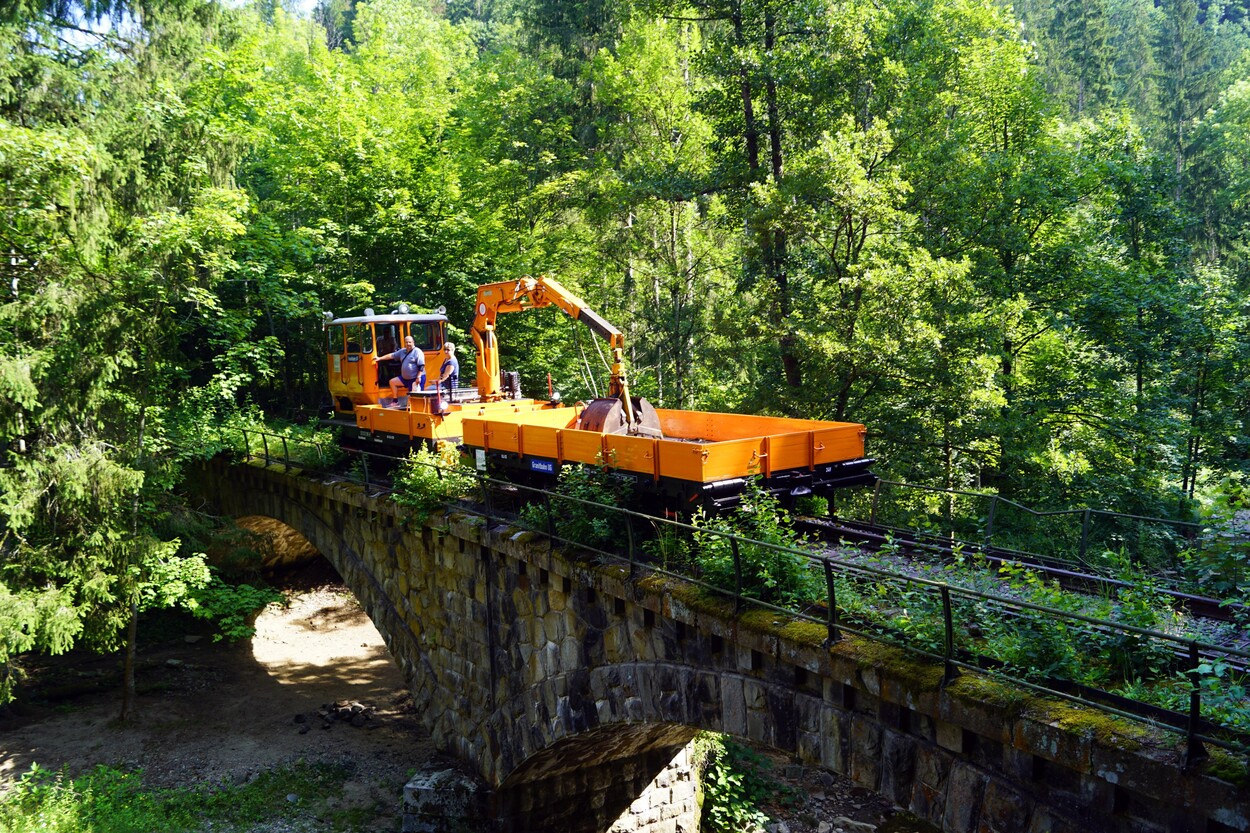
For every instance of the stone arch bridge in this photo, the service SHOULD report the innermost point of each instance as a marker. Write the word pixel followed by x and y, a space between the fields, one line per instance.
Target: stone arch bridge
pixel 573 689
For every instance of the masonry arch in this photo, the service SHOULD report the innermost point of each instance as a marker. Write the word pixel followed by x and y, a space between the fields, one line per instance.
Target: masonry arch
pixel 603 779
pixel 281 546
pixel 581 750
pixel 623 696
pixel 336 521
pixel 294 525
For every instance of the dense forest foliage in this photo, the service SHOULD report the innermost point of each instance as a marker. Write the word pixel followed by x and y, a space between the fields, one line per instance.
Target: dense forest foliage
pixel 1012 241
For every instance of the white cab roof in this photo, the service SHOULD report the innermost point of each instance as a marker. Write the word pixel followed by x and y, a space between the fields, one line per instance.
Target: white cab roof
pixel 389 319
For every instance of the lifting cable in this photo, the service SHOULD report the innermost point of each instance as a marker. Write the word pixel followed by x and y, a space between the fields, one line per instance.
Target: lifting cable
pixel 587 376
pixel 602 360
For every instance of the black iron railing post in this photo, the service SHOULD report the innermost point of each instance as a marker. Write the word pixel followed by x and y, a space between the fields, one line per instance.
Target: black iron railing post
pixel 264 441
pixel 629 543
pixel 1194 750
pixel 247 445
pixel 1084 548
pixel 364 465
pixel 831 619
pixel 949 671
pixel 989 522
pixel 733 546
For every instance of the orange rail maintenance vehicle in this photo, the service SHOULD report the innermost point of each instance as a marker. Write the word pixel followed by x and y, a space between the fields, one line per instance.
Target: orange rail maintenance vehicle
pixel 683 458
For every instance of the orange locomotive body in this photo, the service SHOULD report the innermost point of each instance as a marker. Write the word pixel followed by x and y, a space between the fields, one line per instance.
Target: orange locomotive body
pixel 360 391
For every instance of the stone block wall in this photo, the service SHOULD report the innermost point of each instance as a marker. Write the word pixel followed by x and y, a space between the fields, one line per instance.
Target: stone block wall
pixel 649 791
pixel 545 673
pixel 653 792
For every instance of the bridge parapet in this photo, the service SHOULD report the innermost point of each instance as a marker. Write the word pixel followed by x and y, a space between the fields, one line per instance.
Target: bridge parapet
pixel 543 671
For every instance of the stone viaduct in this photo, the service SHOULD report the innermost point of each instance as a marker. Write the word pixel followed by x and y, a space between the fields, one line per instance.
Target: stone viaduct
pixel 572 690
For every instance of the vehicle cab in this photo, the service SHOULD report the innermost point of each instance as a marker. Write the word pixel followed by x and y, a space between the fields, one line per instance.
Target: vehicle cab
pixel 352 343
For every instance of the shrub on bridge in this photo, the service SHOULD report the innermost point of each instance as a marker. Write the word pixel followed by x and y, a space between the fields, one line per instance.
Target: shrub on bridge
pixel 770 572
pixel 427 480
pixel 736 784
pixel 204 428
pixel 1219 563
pixel 572 512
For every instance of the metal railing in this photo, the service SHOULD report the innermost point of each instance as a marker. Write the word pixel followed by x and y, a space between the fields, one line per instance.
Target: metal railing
pixel 940 625
pixel 268 452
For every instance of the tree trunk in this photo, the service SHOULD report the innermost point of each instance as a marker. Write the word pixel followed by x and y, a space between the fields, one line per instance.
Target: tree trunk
pixel 776 250
pixel 770 93
pixel 129 693
pixel 751 130
pixel 1189 470
pixel 132 626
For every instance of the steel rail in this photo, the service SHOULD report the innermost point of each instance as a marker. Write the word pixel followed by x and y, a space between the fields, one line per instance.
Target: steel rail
pixel 1203 606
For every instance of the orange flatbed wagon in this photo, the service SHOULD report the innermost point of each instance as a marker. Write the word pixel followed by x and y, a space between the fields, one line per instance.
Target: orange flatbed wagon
pixel 702 457
pixel 425 416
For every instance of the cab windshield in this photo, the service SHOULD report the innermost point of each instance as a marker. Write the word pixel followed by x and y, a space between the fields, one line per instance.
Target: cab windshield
pixel 334 339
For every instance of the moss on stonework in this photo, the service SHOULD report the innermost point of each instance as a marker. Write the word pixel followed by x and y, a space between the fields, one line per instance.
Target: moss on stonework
pixel 653 583
pixel 1012 701
pixel 616 572
pixel 763 621
pixel 702 600
pixel 1107 729
pixel 688 593
pixel 1229 767
pixel 802 632
pixel 899 665
pixel 797 631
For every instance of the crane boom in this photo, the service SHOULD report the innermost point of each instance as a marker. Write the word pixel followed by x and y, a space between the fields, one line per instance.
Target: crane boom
pixel 533 293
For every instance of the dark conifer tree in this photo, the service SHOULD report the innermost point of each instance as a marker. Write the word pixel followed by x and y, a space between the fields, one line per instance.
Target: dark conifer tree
pixel 1080 32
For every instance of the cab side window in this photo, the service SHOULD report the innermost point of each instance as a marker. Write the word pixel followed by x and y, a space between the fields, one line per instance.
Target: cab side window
pixel 425 335
pixel 359 338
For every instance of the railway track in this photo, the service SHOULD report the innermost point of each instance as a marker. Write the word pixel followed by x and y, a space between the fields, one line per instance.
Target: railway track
pixel 1180 656
pixel 836 531
pixel 831 532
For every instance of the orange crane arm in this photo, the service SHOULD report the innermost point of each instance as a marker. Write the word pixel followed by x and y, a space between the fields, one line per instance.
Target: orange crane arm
pixel 533 293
